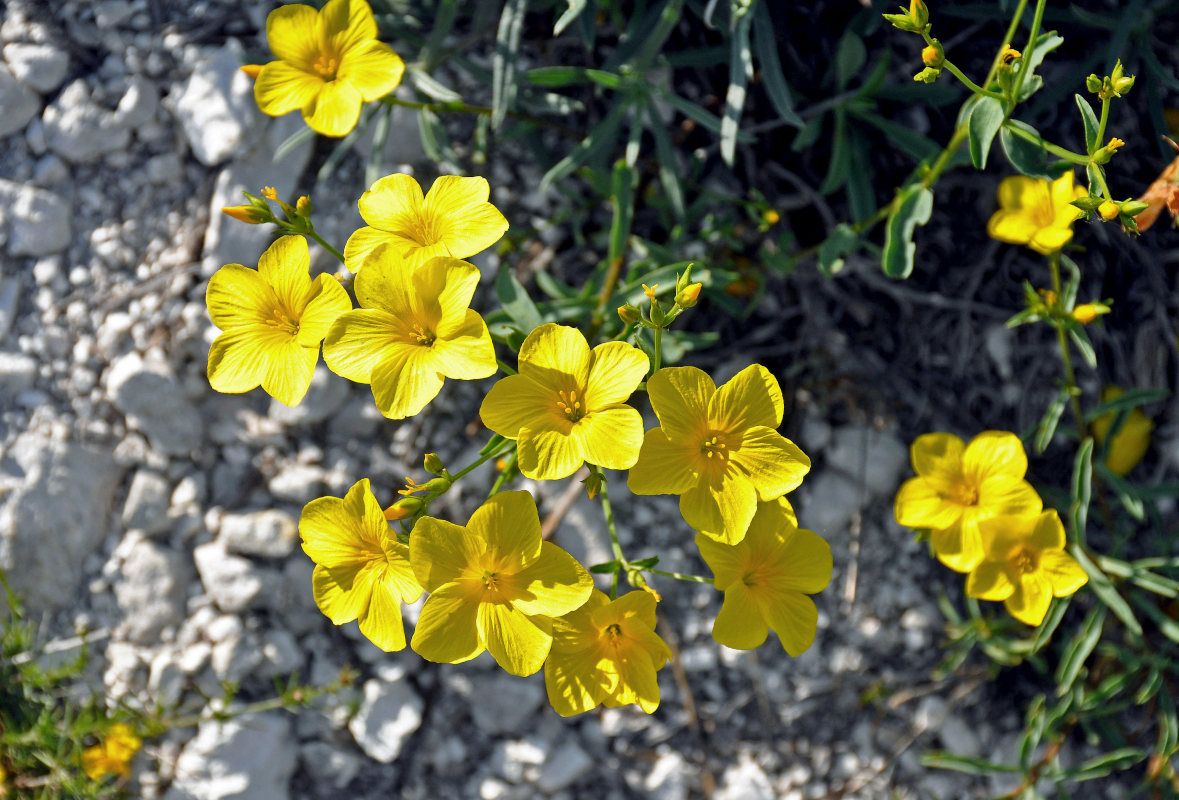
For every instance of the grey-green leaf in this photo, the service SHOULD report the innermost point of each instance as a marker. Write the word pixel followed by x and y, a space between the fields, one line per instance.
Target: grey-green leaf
pixel 985 119
pixel 1090 120
pixel 913 207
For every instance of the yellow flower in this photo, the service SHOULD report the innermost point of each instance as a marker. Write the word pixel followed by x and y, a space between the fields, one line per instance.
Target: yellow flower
pixel 1109 210
pixel 329 64
pixel 1129 445
pixel 493 585
pixel 361 570
pixel 766 579
pixel 1036 212
pixel 607 651
pixel 413 330
pixel 454 219
pixel 1025 565
pixel 567 404
pixel 717 448
pixel 273 320
pixel 958 485
pixel 111 756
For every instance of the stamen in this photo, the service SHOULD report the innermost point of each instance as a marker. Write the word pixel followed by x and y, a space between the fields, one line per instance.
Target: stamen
pixel 424 336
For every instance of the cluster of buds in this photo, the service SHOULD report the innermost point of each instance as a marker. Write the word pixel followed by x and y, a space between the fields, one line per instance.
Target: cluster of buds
pixel 933 56
pixel 1045 304
pixel 259 212
pixel 1116 84
pixel 409 505
pixel 687 294
pixel 1109 210
pixel 914 20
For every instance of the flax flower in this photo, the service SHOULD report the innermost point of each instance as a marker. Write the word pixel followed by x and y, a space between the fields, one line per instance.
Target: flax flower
pixel 1025 565
pixel 414 329
pixel 1129 444
pixel 329 64
pixel 361 570
pixel 717 448
pixel 493 585
pixel 1036 212
pixel 273 320
pixel 766 578
pixel 454 219
pixel 959 485
pixel 111 756
pixel 607 651
pixel 566 405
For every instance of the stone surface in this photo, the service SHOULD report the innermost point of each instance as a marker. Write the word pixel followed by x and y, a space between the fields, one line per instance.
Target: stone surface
pixel 20 103
pixel 40 66
pixel 564 768
pixel 270 533
pixel 146 508
pixel 148 393
pixel 152 590
pixel 79 130
pixel 501 704
pixel 389 714
pixel 216 107
pixel 54 518
pixel 233 582
pixel 36 221
pixel 251 757
pixel 327 394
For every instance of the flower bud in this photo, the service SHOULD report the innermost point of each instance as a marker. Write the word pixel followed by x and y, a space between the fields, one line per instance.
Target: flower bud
pixel 439 485
pixel 1093 84
pixel 252 70
pixel 303 206
pixel 934 55
pixel 1085 313
pixel 433 464
pixel 657 315
pixel 919 13
pixel 1108 210
pixel 593 485
pixel 251 215
pixel 1103 155
pixel 689 296
pixel 629 314
pixel 405 507
pixel 771 217
pixel 927 75
pixel 1123 85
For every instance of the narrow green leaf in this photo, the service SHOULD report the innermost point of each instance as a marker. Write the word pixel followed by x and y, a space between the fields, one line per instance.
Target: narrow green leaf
pixel 913 206
pixel 840 243
pixel 740 70
pixel 1030 159
pixel 766 46
pixel 669 170
pixel 598 139
pixel 622 201
pixel 431 131
pixel 607 568
pixel 1105 590
pixel 1090 121
pixel 503 62
pixel 372 167
pixel 1167 626
pixel 840 162
pixel 1126 401
pixel 1094 173
pixel 555 77
pixel 1105 764
pixel 914 144
pixel 516 301
pixel 695 113
pixel 1127 495
pixel 645 563
pixel 570 14
pixel 1083 345
pixel 432 88
pixel 850 56
pixel 985 119
pixel 1081 488
pixel 971 766
pixel 1149 687
pixel 1046 427
pixel 299 137
pixel 1078 649
pixel 1032 58
pixel 608 80
pixel 492 443
pixel 1051 621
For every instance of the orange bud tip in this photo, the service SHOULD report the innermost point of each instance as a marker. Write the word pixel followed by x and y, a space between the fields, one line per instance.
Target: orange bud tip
pixel 252 70
pixel 247 214
pixel 1108 210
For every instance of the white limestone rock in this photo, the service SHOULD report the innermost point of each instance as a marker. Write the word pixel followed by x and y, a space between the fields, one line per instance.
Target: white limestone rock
pixel 251 757
pixel 390 713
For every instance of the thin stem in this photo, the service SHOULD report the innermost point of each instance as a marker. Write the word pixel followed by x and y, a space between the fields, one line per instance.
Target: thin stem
pixel 504 473
pixel 608 286
pixel 483 459
pixel 608 514
pixel 322 243
pixel 658 349
pixel 679 576
pixel 1037 18
pixel 1100 173
pixel 971 85
pixel 1007 38
pixel 503 366
pixel 1062 341
pixel 1056 150
pixel 1101 124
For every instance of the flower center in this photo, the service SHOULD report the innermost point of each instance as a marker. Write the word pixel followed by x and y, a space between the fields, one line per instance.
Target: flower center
pixel 282 321
pixel 614 634
pixel 570 406
pixel 326 66
pixel 424 336
pixel 1024 561
pixel 964 494
pixel 490 580
pixel 713 447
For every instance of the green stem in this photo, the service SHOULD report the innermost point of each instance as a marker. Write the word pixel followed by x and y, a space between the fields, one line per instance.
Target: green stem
pixel 504 367
pixel 608 286
pixel 1101 124
pixel 971 85
pixel 1100 173
pixel 483 459
pixel 503 475
pixel 1062 342
pixel 679 576
pixel 608 513
pixel 1056 150
pixel 1037 19
pixel 322 243
pixel 1007 38
pixel 658 349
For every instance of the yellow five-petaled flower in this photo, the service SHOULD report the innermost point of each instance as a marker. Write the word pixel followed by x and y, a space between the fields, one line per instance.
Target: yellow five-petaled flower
pixel 273 320
pixel 329 64
pixel 717 448
pixel 361 570
pixel 454 219
pixel 414 329
pixel 607 651
pixel 1025 565
pixel 567 404
pixel 111 756
pixel 766 578
pixel 959 485
pixel 1036 212
pixel 493 585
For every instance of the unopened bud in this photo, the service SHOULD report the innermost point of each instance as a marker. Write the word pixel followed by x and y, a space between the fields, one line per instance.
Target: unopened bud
pixel 629 314
pixel 657 315
pixel 934 55
pixel 689 296
pixel 771 217
pixel 405 507
pixel 1093 84
pixel 252 70
pixel 927 75
pixel 303 206
pixel 433 464
pixel 919 13
pixel 1123 85
pixel 439 485
pixel 251 215
pixel 593 485
pixel 1108 210
pixel 1087 312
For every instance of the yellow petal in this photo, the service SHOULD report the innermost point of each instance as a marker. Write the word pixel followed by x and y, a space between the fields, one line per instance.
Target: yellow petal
pixel 751 398
pixel 329 301
pixel 999 494
pixel 282 87
pixel 1012 227
pixel 289 369
pixel 789 614
pixel 680 397
pixel 1002 533
pixel 381 622
pixel 235 364
pixel 554 584
pixel 518 643
pixel 807 561
pixel 993 453
pixel 1064 190
pixel 284 267
pixel 510 525
pixel 357 342
pixel 391 203
pixel 937 457
pixel 557 356
pixel 1021 192
pixel 611 437
pixel 346 24
pixel 335 109
pixel 343 593
pixel 1049 240
pixel 572 684
pixel 637 683
pixel 770 461
pixel 1063 572
pixel 440 551
pixel 471 223
pixel 345 531
pixel 516 402
pixel 451 283
pixel 237 296
pixel 959 547
pixel 664 466
pixel 373 68
pixel 919 505
pixel 549 455
pixel 722 511
pixel 447 631
pixel 403 381
pixel 989 581
pixel 739 624
pixel 467 352
pixel 616 371
pixel 292 35
pixel 724 560
pixel 1048 531
pixel 1029 603
pixel 364 241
